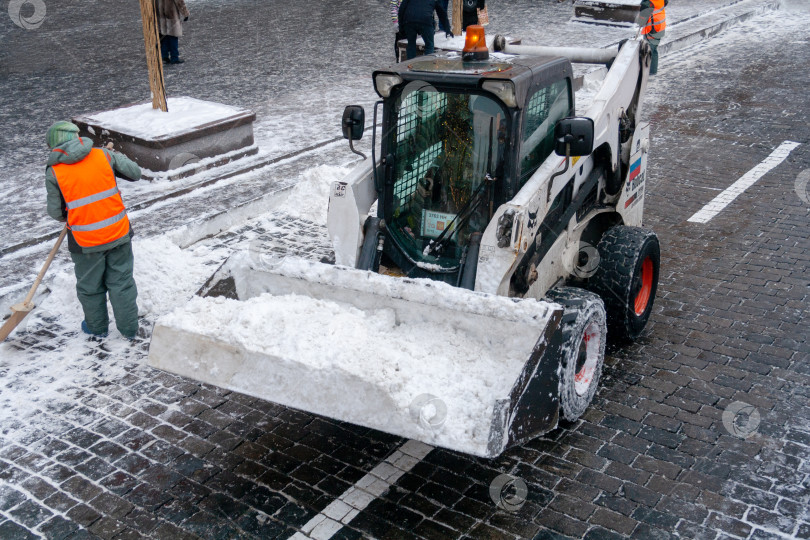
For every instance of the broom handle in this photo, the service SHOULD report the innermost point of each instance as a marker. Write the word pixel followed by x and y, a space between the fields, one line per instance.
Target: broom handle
pixel 45 266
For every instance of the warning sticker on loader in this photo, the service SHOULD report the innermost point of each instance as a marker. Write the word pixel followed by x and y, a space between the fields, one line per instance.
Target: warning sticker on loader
pixel 434 223
pixel 486 253
pixel 339 189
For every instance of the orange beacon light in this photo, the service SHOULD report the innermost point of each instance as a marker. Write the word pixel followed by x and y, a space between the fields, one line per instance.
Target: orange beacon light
pixel 475 46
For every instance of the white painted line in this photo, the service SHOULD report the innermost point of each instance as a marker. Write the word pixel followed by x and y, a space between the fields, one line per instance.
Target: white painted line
pixel 746 181
pixel 355 499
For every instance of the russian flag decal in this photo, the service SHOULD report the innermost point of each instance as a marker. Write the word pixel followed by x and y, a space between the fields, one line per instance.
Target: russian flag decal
pixel 635 169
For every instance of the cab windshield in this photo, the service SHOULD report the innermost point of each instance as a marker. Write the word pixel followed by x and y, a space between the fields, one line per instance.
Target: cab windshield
pixel 449 150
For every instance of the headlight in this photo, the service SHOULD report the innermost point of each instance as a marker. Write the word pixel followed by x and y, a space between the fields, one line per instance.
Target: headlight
pixel 503 89
pixel 384 82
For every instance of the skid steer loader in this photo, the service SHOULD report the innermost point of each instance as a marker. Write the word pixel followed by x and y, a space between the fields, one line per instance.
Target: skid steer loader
pixel 482 258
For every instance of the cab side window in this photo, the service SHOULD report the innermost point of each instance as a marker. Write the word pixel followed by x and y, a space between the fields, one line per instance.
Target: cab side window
pixel 546 107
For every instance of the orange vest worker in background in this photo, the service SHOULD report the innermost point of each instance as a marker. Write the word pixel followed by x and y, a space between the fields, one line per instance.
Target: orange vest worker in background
pixel 653 22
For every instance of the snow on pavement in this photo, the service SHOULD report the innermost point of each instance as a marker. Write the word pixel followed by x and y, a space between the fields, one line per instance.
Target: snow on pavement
pixel 166 275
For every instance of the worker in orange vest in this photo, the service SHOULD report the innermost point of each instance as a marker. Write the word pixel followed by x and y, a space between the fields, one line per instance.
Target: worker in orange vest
pixel 82 189
pixel 653 22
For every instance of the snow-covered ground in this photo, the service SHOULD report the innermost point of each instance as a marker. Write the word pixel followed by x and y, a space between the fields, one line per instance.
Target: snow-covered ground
pixel 167 276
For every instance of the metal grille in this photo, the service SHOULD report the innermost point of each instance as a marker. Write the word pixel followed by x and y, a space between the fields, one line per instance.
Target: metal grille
pixel 417 112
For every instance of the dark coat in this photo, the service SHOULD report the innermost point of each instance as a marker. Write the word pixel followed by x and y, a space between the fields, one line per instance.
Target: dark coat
pixel 421 12
pixel 472 5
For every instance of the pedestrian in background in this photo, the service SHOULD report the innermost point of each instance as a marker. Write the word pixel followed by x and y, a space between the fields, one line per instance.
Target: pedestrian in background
pixel 171 14
pixel 416 19
pixel 442 28
pixel 399 33
pixel 469 12
pixel 653 22
pixel 82 190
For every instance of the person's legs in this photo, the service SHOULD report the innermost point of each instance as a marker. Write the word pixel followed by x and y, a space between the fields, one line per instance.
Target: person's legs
pixel 90 288
pixel 123 292
pixel 164 48
pixel 444 4
pixel 428 32
pixel 654 38
pixel 397 38
pixel 174 52
pixel 411 33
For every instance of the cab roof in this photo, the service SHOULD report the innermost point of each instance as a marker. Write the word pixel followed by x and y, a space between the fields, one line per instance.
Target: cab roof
pixel 526 72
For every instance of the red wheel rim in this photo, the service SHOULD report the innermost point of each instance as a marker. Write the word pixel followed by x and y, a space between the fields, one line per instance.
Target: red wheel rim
pixel 587 359
pixel 643 296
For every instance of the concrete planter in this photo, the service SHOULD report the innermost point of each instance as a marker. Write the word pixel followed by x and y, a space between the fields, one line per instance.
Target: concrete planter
pixel 205 135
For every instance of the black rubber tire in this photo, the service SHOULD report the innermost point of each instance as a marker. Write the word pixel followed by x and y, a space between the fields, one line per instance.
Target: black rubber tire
pixel 618 279
pixel 583 323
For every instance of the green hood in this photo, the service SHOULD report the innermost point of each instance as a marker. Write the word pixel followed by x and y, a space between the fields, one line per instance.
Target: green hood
pixel 71 151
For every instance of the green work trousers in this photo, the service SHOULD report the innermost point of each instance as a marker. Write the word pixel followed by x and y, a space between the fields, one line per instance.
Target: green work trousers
pixel 103 272
pixel 654 38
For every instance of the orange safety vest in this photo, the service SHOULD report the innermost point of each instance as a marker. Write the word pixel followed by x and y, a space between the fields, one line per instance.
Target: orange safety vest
pixel 657 22
pixel 96 212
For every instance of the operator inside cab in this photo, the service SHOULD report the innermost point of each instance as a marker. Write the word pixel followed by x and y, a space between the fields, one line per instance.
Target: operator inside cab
pixel 450 150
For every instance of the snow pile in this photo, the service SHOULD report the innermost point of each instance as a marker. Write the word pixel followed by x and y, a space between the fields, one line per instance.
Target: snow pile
pixel 359 347
pixel 421 292
pixel 324 335
pixel 144 122
pixel 364 355
pixel 168 276
pixel 309 199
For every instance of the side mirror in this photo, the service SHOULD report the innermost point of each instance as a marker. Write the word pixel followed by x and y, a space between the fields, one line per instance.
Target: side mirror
pixel 576 132
pixel 354 121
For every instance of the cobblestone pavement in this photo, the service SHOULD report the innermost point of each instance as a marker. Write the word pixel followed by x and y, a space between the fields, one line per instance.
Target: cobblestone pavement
pixel 128 452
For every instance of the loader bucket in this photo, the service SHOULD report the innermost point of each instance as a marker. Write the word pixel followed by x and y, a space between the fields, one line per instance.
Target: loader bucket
pixel 420 359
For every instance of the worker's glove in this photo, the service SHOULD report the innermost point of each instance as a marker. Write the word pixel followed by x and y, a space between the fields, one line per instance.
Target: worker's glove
pixel 449 35
pixel 110 145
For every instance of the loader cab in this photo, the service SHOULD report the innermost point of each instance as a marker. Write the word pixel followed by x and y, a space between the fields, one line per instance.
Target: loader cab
pixel 458 140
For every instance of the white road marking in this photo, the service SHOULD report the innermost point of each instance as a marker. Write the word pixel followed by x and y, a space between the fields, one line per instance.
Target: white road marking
pixel 355 499
pixel 746 181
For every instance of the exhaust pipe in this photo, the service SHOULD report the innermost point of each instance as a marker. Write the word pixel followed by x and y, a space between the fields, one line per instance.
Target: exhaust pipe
pixel 579 55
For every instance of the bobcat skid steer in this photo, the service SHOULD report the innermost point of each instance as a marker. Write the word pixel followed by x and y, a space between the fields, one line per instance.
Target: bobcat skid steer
pixel 482 258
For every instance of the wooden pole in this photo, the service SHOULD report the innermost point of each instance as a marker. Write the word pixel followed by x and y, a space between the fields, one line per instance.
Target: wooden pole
pixel 456 22
pixel 153 58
